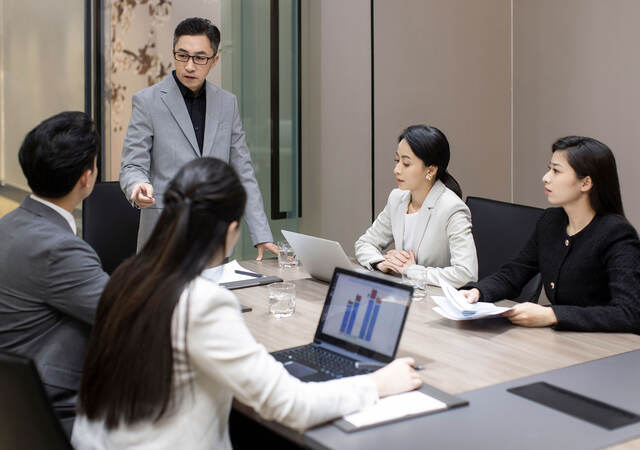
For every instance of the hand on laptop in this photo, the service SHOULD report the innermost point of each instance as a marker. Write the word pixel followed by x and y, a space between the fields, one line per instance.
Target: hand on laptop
pixel 396 377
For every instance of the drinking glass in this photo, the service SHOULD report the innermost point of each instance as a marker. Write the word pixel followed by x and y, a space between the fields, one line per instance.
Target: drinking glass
pixel 417 277
pixel 286 256
pixel 282 299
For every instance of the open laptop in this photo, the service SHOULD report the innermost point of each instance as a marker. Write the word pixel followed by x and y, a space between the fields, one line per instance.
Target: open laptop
pixel 362 320
pixel 319 256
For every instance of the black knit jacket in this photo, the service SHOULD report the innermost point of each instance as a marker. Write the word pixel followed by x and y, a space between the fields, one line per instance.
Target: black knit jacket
pixel 591 278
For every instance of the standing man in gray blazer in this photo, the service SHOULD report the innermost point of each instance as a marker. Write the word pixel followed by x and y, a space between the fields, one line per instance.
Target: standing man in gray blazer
pixel 50 279
pixel 181 118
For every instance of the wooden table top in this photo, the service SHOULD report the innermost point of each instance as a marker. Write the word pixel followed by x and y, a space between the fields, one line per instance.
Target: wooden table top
pixel 457 356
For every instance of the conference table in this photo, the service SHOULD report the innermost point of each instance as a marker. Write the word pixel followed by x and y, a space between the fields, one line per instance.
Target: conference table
pixel 458 357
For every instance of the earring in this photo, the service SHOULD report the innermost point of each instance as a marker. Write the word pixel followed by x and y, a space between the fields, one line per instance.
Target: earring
pixel 429 177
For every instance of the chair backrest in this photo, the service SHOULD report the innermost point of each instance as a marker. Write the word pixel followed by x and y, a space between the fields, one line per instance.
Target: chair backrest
pixel 26 415
pixel 110 224
pixel 500 231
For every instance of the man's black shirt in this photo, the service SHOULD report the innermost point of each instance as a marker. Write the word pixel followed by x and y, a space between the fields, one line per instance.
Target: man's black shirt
pixel 197 107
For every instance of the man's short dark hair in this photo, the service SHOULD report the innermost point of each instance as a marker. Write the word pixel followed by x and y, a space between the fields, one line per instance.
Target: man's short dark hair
pixel 195 26
pixel 56 153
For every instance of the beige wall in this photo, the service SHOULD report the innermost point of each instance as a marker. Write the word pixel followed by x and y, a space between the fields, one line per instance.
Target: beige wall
pixel 41 71
pixel 448 63
pixel 445 63
pixel 576 71
pixel 336 119
pixel 441 62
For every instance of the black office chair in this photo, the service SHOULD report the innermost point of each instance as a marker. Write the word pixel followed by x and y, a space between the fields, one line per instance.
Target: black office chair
pixel 26 415
pixel 500 230
pixel 110 224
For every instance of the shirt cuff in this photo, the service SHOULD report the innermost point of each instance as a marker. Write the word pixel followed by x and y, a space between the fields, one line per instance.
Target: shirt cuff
pixel 366 389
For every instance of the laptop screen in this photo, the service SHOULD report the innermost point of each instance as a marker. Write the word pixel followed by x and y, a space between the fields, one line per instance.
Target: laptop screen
pixel 364 314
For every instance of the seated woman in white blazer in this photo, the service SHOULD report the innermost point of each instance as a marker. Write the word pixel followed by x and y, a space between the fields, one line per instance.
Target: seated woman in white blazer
pixel 425 218
pixel 169 348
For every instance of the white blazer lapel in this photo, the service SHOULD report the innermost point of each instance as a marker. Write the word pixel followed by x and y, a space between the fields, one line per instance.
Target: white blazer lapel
pixel 171 96
pixel 397 219
pixel 212 119
pixel 425 211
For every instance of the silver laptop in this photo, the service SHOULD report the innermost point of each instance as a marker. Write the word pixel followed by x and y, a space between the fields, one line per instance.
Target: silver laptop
pixel 319 256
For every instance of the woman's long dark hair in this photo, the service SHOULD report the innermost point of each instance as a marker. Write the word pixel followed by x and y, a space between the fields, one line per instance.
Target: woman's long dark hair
pixel 128 371
pixel 592 158
pixel 431 146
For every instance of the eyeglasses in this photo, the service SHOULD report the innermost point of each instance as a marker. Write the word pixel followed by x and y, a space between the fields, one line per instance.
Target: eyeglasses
pixel 197 59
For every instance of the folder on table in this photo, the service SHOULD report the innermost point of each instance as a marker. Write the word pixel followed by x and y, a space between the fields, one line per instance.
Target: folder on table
pixel 233 276
pixel 426 400
pixel 231 285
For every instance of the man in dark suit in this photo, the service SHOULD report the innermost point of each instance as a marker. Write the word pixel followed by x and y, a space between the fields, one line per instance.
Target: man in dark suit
pixel 50 279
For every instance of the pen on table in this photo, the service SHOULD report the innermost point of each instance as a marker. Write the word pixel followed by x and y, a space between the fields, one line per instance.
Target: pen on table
pixel 251 274
pixel 365 365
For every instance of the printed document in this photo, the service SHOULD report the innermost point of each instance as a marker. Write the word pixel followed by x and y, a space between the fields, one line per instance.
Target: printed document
pixel 453 305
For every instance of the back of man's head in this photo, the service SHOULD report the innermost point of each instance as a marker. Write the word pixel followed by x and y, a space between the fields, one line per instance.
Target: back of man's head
pixel 56 153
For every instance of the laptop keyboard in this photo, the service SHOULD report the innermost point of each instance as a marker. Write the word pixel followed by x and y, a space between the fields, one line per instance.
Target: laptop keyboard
pixel 332 364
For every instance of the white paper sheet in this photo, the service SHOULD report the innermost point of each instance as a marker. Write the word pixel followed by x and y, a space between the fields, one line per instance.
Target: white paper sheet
pixel 455 306
pixel 395 407
pixel 226 273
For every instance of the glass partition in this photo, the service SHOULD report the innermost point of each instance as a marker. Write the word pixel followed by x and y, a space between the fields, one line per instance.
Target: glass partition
pixel 263 34
pixel 41 71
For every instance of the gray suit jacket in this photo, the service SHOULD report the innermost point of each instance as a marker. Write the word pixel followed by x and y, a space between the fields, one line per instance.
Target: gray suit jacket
pixel 160 140
pixel 50 285
pixel 445 243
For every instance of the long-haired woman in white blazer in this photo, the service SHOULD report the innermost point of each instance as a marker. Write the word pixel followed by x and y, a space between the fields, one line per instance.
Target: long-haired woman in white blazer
pixel 424 218
pixel 169 349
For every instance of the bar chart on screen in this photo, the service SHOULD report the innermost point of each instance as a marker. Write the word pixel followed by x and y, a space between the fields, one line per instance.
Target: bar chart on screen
pixel 370 316
pixel 357 312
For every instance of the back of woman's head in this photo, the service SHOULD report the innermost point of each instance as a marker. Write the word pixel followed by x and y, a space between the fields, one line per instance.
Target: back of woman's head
pixel 592 158
pixel 128 372
pixel 431 146
pixel 200 202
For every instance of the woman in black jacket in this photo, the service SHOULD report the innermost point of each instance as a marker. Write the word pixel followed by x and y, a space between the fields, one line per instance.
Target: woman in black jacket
pixel 585 249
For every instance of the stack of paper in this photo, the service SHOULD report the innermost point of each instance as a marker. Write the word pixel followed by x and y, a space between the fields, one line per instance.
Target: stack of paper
pixel 395 407
pixel 227 273
pixel 455 306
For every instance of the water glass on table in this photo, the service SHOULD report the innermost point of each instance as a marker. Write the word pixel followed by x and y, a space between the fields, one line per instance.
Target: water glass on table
pixel 286 256
pixel 416 276
pixel 282 299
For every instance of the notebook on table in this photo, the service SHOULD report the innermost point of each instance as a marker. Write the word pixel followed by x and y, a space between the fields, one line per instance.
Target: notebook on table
pixel 362 321
pixel 424 401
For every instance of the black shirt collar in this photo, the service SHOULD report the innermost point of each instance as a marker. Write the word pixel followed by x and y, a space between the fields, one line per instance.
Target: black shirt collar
pixel 185 91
